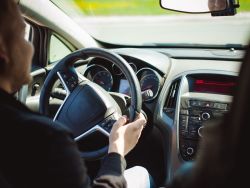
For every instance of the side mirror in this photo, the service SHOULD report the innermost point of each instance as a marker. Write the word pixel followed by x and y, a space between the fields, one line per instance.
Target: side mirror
pixel 215 7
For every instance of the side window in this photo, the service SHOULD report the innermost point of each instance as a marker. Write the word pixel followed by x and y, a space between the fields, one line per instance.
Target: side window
pixel 58 49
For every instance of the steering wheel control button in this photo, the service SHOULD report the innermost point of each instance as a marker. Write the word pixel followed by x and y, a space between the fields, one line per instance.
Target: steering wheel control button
pixel 105 126
pixel 108 123
pixel 70 81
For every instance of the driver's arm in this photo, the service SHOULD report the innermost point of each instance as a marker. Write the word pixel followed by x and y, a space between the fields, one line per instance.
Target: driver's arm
pixel 122 140
pixel 111 172
pixel 66 168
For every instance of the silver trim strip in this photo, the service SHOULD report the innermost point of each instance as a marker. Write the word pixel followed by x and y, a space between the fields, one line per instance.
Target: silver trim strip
pixel 93 129
pixel 67 91
pixel 83 78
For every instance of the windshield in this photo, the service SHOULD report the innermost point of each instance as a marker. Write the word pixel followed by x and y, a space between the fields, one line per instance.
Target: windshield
pixel 145 23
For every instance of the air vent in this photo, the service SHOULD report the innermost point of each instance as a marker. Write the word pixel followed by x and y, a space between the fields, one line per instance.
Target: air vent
pixel 171 99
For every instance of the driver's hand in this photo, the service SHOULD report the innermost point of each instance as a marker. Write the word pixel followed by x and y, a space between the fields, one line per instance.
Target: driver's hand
pixel 123 137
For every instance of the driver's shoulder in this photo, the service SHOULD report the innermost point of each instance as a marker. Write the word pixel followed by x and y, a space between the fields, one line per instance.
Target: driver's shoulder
pixel 44 125
pixel 31 124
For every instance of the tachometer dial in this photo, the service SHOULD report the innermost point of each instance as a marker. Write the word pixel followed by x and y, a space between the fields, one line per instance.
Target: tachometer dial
pixel 149 82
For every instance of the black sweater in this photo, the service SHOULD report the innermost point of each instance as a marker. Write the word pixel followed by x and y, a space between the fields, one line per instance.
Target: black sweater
pixel 38 152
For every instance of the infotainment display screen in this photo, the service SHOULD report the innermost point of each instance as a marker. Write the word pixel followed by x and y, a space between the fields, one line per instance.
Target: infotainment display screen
pixel 214 86
pixel 212 83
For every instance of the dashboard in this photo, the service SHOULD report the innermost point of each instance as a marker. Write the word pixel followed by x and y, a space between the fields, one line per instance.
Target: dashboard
pixel 187 88
pixel 182 90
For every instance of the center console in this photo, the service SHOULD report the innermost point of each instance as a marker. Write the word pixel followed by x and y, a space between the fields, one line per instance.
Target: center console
pixel 202 97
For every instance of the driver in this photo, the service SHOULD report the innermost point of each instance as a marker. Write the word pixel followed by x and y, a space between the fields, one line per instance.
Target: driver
pixel 35 152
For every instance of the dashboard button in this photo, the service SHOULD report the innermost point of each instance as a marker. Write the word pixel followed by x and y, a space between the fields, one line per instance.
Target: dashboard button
pixel 200 130
pixel 205 116
pixel 184 112
pixel 190 151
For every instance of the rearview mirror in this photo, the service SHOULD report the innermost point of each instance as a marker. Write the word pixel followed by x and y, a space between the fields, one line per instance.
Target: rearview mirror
pixel 200 6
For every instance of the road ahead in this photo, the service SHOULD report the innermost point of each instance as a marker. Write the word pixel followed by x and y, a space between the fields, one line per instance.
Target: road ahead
pixel 169 29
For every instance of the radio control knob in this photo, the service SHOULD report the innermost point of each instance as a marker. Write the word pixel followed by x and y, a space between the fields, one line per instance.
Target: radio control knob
pixel 190 151
pixel 200 131
pixel 205 116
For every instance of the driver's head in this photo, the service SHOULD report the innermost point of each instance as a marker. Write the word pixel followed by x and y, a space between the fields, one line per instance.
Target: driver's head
pixel 15 52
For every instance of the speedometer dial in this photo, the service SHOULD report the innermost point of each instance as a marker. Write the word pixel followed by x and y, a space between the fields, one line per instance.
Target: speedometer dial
pixel 104 79
pixel 149 81
pixel 100 75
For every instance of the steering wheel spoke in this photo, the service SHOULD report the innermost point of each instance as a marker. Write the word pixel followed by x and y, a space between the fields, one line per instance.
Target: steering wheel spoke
pixel 104 127
pixel 93 129
pixel 82 78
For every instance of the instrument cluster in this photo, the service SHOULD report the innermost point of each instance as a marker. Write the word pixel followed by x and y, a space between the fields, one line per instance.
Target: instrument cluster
pixel 111 78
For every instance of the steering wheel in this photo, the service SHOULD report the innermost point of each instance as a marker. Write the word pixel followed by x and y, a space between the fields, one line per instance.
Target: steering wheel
pixel 87 107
